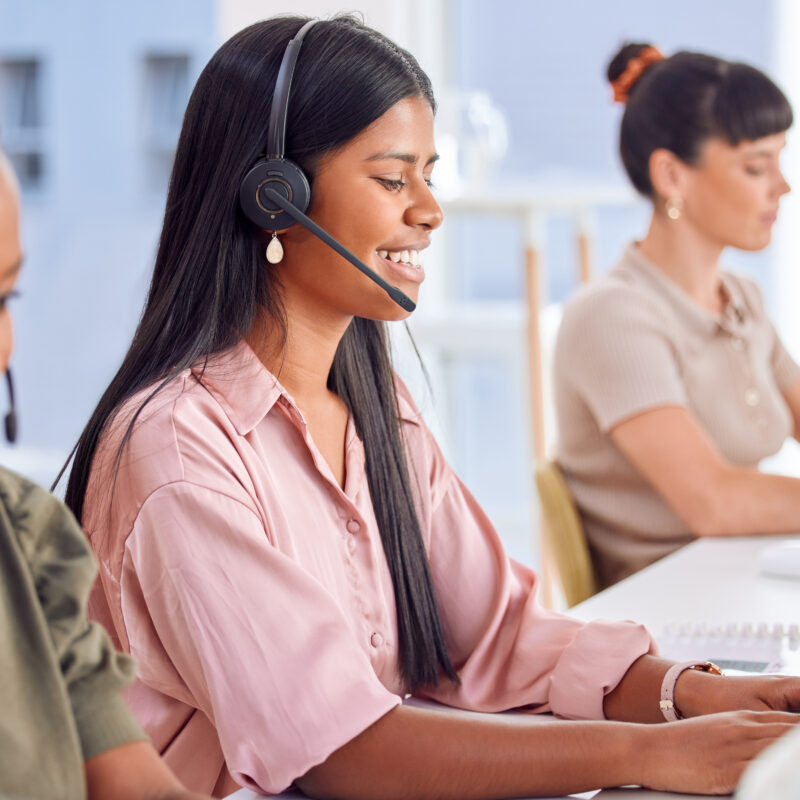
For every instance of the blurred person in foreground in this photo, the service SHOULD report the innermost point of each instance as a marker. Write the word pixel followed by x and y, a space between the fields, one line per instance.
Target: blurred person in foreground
pixel 65 731
pixel 775 773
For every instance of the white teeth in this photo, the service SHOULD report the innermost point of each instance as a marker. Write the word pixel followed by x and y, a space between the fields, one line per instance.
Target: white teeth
pixel 412 257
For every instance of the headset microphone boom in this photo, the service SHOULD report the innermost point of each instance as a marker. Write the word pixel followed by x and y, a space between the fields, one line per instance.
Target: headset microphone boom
pixel 403 300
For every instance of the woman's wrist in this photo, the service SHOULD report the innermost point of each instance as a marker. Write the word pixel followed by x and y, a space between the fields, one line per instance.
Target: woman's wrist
pixel 631 751
pixel 649 756
pixel 693 691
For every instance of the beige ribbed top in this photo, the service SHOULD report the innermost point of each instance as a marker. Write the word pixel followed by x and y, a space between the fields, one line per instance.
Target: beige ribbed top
pixel 634 340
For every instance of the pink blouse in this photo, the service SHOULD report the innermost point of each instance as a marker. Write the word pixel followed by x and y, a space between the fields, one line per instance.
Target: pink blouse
pixel 255 595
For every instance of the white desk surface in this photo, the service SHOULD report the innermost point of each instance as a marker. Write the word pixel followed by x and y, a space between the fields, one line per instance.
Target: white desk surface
pixel 711 580
pixel 715 581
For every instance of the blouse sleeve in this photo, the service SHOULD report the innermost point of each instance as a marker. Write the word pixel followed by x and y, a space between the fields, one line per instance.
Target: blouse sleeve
pixel 509 651
pixel 784 367
pixel 237 629
pixel 613 350
pixel 94 673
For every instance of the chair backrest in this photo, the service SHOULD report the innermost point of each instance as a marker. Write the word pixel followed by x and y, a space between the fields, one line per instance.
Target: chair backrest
pixel 564 536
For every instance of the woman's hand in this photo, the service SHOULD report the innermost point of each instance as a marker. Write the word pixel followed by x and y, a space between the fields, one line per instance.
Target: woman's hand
pixel 700 693
pixel 708 754
pixel 133 771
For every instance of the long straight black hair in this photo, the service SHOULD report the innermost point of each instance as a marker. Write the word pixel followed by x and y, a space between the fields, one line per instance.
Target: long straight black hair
pixel 681 102
pixel 211 280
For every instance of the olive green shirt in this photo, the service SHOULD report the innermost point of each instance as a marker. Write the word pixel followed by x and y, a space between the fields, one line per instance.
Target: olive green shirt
pixel 60 677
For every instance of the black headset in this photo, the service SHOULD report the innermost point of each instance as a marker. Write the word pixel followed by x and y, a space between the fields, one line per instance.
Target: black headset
pixel 10 419
pixel 276 172
pixel 275 193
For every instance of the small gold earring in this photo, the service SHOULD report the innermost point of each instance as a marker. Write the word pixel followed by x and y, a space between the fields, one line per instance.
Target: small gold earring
pixel 274 250
pixel 674 206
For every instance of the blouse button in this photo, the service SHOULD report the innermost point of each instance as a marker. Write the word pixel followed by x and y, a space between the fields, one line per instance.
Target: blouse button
pixel 751 397
pixel 376 640
pixel 353 525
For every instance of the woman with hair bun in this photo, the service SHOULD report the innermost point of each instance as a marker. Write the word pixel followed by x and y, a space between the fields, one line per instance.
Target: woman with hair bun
pixel 283 546
pixel 670 381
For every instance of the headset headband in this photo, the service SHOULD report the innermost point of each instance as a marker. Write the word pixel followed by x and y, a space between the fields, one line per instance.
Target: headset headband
pixel 276 137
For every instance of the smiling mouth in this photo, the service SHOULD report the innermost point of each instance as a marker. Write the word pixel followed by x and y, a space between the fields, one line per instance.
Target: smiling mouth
pixel 412 258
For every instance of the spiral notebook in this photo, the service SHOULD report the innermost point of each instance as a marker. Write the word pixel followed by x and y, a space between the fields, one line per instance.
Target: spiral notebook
pixel 744 648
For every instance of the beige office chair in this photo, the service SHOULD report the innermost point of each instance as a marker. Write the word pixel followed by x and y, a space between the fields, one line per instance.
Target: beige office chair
pixel 563 536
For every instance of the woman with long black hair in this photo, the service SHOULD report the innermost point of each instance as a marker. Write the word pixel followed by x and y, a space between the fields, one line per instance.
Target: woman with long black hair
pixel 282 545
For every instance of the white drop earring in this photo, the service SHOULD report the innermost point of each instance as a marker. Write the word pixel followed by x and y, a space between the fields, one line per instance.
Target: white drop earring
pixel 275 250
pixel 673 207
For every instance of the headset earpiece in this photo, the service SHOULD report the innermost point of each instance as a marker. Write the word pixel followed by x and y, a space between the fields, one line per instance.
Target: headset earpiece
pixel 10 419
pixel 282 176
pixel 274 171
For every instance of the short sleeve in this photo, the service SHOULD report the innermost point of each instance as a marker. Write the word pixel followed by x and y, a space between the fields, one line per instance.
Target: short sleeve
pixel 225 622
pixel 784 367
pixel 785 370
pixel 509 651
pixel 613 350
pixel 94 673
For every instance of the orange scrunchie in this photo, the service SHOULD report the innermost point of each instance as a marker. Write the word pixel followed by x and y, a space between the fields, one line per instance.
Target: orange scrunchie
pixel 634 68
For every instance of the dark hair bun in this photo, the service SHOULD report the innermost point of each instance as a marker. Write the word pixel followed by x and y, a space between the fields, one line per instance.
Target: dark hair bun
pixel 679 103
pixel 628 51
